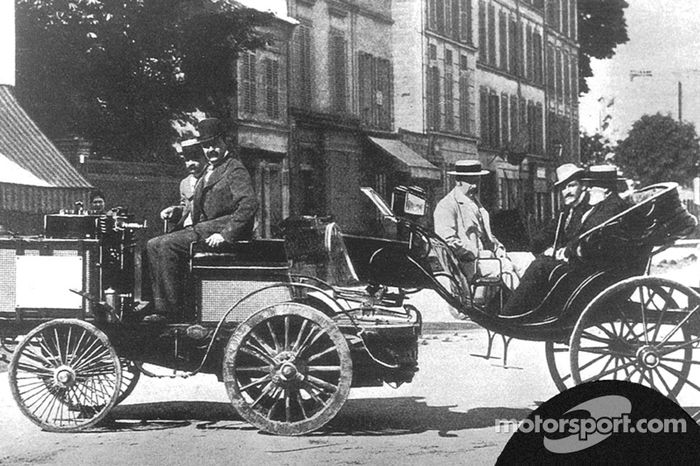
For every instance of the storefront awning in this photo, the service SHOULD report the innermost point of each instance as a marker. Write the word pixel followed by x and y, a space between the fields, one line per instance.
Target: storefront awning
pixel 408 159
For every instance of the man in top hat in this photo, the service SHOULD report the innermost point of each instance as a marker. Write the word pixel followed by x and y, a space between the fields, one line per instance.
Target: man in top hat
pixel 465 225
pixel 191 153
pixel 223 211
pixel 578 258
pixel 557 233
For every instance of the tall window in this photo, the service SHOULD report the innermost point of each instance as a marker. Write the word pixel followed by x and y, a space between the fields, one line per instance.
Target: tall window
pixel 551 84
pixel 301 66
pixel 530 55
pixel 374 76
pixel 272 88
pixel 491 35
pixel 537 57
pixel 433 97
pixel 484 116
pixel 490 118
pixel 247 88
pixel 565 17
pixel 512 46
pixel 464 102
pixel 465 34
pixel 514 123
pixel 449 102
pixel 558 70
pixel 483 46
pixel 338 74
pixel 505 128
pixel 503 39
pixel 566 78
pixel 440 16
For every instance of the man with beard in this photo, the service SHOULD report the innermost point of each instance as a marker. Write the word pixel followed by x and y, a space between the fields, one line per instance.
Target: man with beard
pixel 223 211
pixel 191 153
pixel 578 258
pixel 551 239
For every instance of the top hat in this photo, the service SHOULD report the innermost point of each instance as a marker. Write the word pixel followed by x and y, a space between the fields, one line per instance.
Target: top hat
pixel 210 128
pixel 568 172
pixel 468 168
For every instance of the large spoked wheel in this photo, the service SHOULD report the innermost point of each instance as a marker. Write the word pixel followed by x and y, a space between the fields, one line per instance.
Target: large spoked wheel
pixel 642 330
pixel 288 369
pixel 558 364
pixel 65 375
pixel 130 377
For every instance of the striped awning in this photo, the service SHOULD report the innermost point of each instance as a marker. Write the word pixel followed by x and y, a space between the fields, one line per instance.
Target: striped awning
pixel 34 175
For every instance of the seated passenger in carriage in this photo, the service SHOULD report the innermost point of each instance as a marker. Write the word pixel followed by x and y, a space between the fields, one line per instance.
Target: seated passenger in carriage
pixel 223 211
pixel 579 258
pixel 560 230
pixel 464 224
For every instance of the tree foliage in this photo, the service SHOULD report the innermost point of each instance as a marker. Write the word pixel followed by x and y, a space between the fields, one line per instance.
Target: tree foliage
pixel 596 149
pixel 115 72
pixel 659 148
pixel 601 28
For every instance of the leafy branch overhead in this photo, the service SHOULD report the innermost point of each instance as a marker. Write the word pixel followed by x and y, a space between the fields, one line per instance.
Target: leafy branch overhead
pixel 115 72
pixel 602 27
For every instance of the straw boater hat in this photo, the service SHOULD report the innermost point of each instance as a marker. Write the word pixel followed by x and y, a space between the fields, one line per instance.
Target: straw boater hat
pixel 568 172
pixel 602 174
pixel 468 168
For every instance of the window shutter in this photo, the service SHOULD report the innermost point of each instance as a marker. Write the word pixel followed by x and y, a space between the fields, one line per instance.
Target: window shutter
pixel 505 127
pixel 484 116
pixel 491 35
pixel 465 21
pixel 248 82
pixel 503 39
pixel 456 31
pixel 449 102
pixel 464 102
pixel 512 46
pixel 483 56
pixel 337 60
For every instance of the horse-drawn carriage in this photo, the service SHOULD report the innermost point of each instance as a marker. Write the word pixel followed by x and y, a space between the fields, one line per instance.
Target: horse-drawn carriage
pixel 290 325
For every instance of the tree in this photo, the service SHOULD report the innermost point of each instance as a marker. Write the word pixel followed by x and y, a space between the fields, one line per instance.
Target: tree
pixel 596 149
pixel 601 28
pixel 115 72
pixel 659 148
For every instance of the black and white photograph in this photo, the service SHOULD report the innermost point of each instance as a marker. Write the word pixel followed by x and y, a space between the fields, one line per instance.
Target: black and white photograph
pixel 352 232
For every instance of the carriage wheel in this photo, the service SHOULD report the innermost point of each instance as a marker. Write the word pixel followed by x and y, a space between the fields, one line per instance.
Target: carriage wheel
pixel 64 375
pixel 641 330
pixel 130 377
pixel 558 364
pixel 288 369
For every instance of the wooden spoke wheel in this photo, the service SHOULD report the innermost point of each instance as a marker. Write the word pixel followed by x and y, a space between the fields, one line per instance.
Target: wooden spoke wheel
pixel 642 330
pixel 65 375
pixel 288 369
pixel 130 377
pixel 558 364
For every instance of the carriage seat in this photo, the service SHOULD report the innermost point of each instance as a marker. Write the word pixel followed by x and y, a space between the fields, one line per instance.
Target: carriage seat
pixel 656 218
pixel 264 253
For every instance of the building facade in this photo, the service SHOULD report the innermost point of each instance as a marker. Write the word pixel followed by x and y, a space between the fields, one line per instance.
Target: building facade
pixel 342 112
pixel 435 52
pixel 262 115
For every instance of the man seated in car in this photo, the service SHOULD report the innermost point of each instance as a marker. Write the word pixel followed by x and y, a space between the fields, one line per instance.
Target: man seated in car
pixel 223 211
pixel 577 257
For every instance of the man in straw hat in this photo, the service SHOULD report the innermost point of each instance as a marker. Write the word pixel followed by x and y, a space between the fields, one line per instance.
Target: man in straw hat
pixel 465 225
pixel 560 231
pixel 223 211
pixel 577 258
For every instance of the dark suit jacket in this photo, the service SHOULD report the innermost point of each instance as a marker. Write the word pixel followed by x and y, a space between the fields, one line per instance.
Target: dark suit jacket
pixel 544 238
pixel 597 247
pixel 225 202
